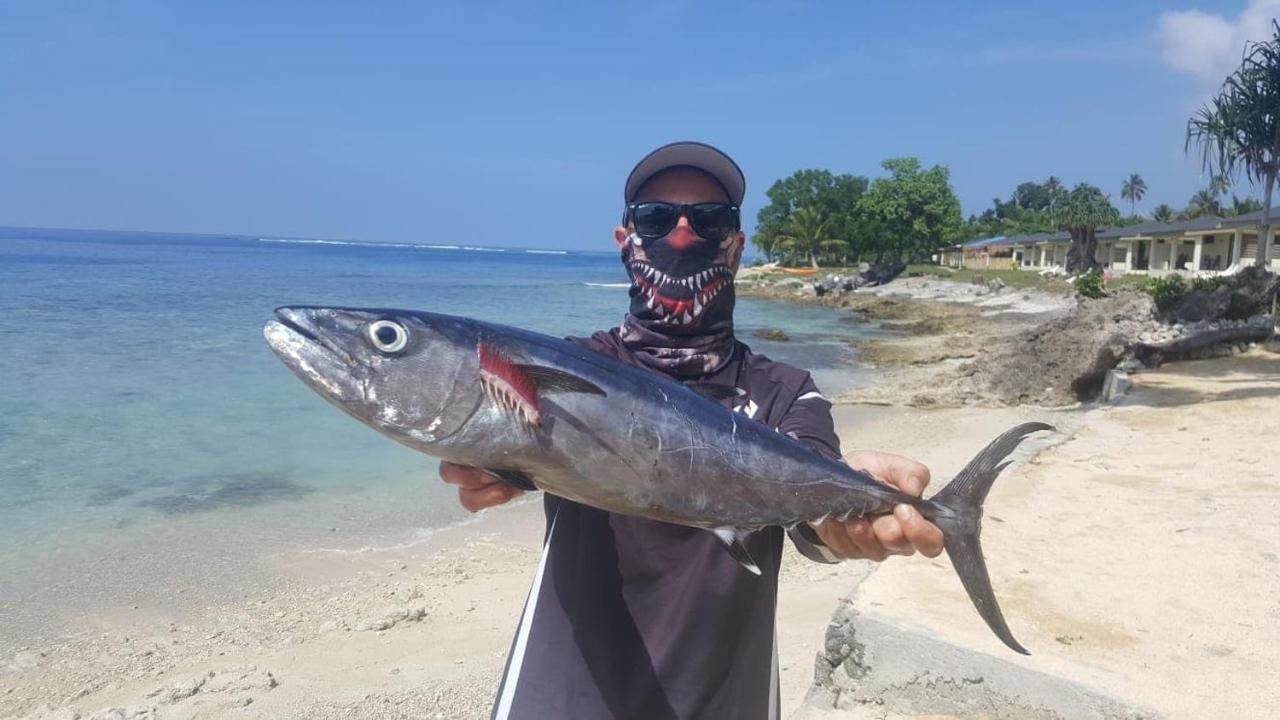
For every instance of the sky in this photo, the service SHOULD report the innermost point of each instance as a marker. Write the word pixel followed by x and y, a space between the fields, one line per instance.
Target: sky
pixel 516 124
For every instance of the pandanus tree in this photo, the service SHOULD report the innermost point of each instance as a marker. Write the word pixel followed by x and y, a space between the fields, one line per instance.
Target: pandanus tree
pixel 1238 130
pixel 1133 190
pixel 1082 213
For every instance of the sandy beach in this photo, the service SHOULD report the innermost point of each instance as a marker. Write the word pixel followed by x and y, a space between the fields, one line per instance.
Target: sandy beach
pixel 1134 553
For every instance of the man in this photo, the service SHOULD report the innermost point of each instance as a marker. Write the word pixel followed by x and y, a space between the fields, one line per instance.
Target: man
pixel 634 618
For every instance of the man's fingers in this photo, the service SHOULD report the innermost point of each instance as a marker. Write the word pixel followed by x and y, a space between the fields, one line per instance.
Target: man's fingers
pixel 909 476
pixel 889 533
pixel 486 497
pixel 466 477
pixel 834 536
pixel 922 534
pixel 860 532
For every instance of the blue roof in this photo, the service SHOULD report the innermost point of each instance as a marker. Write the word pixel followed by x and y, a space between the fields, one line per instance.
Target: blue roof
pixel 983 242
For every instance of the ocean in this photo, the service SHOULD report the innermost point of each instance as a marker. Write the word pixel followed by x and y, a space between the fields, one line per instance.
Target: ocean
pixel 151 445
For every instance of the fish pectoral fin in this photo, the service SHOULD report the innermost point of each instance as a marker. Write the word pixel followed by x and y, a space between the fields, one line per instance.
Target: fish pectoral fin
pixel 714 391
pixel 732 538
pixel 514 478
pixel 550 380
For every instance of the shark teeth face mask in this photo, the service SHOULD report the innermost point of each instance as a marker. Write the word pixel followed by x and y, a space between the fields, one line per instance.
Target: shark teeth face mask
pixel 682 299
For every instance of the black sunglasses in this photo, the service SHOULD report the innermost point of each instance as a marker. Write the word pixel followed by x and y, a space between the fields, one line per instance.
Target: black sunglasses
pixel 712 221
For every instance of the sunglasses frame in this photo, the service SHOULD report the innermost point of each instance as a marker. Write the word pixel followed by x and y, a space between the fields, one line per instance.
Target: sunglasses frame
pixel 682 210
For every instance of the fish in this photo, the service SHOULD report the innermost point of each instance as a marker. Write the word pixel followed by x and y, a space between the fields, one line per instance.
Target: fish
pixel 542 413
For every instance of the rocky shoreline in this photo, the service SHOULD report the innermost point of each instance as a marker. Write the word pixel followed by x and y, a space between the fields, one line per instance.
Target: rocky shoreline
pixel 986 344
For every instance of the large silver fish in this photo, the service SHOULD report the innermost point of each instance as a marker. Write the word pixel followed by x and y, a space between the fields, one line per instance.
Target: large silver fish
pixel 540 412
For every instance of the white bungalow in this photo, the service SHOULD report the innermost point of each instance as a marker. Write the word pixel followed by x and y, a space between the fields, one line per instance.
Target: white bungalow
pixel 1206 245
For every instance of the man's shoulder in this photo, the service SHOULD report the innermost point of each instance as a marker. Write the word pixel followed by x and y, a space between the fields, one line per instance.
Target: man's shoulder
pixel 605 342
pixel 769 371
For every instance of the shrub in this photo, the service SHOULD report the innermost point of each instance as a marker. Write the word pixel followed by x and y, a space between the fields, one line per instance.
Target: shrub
pixel 1090 285
pixel 1208 284
pixel 1166 291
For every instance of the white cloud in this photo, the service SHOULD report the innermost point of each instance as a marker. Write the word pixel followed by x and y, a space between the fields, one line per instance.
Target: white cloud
pixel 1210 46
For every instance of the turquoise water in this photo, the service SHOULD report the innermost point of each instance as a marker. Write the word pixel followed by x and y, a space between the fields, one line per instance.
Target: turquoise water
pixel 149 439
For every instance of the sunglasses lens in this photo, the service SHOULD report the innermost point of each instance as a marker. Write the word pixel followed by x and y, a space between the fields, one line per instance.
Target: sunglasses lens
pixel 654 219
pixel 713 221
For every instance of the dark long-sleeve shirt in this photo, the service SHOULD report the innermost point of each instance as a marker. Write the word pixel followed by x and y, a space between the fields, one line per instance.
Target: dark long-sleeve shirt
pixel 635 618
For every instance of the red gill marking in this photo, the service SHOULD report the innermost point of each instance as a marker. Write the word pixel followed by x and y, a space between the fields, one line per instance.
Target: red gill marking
pixel 507 384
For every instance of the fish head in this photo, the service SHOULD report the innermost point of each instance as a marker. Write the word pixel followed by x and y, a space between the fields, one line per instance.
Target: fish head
pixel 411 376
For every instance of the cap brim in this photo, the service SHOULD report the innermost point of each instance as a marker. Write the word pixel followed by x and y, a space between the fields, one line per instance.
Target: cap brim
pixel 693 154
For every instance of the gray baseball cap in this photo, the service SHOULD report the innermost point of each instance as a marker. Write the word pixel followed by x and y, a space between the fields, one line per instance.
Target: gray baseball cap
pixel 692 154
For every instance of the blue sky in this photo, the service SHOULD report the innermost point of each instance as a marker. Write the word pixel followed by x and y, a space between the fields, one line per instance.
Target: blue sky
pixel 515 125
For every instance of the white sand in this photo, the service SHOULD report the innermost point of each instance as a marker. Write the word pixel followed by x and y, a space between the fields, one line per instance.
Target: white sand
pixel 1139 557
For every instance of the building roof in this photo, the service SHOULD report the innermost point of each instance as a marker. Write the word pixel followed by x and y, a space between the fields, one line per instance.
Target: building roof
pixel 1032 239
pixel 984 242
pixel 1253 218
pixel 1155 228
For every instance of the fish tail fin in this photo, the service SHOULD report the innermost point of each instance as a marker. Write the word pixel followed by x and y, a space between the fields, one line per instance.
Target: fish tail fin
pixel 957 511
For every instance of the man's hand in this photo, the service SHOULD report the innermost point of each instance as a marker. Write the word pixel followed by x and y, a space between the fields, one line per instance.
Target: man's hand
pixel 477 489
pixel 902 533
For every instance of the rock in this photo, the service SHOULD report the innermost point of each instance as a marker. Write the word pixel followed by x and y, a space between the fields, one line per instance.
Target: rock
pixel 996 285
pixel 772 334
pixel 1115 385
pixel 872 664
pixel 390 618
pixel 1065 360
pixel 180 690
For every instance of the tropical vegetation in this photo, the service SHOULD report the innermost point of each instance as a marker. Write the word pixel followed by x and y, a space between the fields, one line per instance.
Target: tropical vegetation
pixel 1238 131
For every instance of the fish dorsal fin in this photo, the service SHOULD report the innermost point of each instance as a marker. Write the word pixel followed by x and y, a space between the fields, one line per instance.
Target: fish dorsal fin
pixel 714 391
pixel 732 538
pixel 550 380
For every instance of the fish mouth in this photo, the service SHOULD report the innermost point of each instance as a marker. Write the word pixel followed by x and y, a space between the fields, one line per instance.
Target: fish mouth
pixel 309 353
pixel 679 300
pixel 303 323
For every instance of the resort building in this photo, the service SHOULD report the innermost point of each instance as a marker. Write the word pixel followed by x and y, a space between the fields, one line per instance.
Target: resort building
pixel 1206 246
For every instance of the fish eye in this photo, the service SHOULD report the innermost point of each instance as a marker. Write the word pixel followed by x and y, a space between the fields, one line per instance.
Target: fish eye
pixel 388 336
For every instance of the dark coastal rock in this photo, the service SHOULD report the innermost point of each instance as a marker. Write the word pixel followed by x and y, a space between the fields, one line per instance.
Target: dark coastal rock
pixel 1250 292
pixel 872 275
pixel 772 334
pixel 871 662
pixel 1065 360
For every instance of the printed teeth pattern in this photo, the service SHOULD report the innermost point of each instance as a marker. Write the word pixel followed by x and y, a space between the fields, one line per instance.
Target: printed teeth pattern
pixel 705 286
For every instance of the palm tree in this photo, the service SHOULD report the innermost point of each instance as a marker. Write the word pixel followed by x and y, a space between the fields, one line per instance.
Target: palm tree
pixel 1162 213
pixel 1204 202
pixel 1238 131
pixel 1219 185
pixel 1133 190
pixel 807 230
pixel 1053 186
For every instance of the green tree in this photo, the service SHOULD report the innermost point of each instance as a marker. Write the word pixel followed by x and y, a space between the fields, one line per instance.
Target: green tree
pixel 912 212
pixel 1238 131
pixel 836 196
pixel 1085 209
pixel 1243 206
pixel 1133 190
pixel 1163 213
pixel 808 230
pixel 1204 202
